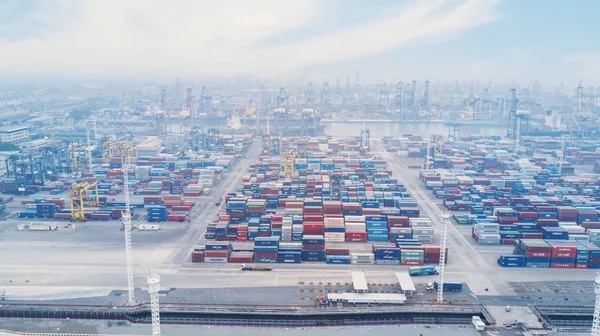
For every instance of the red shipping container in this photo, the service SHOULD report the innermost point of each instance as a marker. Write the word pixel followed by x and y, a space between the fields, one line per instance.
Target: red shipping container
pixel 591 225
pixel 294 205
pixel 411 263
pixel 197 256
pixel 398 220
pixel 177 218
pixel 507 219
pixel 564 251
pixel 547 222
pixel 356 236
pixel 216 253
pixel 371 212
pixel 581 266
pixel 313 225
pixel 537 254
pixel 265 255
pixel 562 265
pixel 337 251
pixel 528 214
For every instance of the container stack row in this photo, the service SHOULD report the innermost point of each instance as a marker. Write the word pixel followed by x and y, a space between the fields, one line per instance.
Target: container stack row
pixel 552 253
pixel 314 249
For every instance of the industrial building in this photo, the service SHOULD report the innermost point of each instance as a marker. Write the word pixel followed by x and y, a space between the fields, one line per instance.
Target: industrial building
pixel 14 134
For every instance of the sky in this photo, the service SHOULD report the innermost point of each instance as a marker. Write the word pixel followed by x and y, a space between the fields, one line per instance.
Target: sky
pixel 521 41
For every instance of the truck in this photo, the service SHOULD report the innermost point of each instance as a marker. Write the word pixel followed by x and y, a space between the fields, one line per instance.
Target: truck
pixel 448 286
pixel 478 323
pixel 255 268
pixel 422 270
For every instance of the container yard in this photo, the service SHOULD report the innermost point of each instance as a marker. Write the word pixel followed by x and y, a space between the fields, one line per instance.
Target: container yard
pixel 316 210
pixel 306 209
pixel 261 217
pixel 516 201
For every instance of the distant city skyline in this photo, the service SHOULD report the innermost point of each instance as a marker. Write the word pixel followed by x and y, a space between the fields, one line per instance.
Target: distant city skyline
pixel 445 40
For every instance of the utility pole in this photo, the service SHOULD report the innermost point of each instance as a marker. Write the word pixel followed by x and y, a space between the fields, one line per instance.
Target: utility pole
pixel 428 150
pixel 96 143
pixel 518 138
pixel 127 229
pixel 163 108
pixel 440 292
pixel 153 289
pixel 189 105
pixel 89 148
pixel 399 100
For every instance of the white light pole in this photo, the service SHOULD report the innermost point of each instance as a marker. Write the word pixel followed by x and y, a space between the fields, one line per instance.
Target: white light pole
pixel 153 289
pixel 440 291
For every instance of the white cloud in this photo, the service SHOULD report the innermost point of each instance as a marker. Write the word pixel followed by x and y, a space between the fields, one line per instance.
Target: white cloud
pixel 218 38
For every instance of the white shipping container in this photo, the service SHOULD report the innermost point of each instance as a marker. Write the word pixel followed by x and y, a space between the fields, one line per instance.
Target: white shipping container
pixel 356 227
pixel 333 221
pixel 43 226
pixel 362 262
pixel 354 219
pixel 422 231
pixel 362 256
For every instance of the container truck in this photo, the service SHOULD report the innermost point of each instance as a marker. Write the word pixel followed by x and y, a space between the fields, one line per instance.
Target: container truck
pixel 448 286
pixel 422 270
pixel 255 268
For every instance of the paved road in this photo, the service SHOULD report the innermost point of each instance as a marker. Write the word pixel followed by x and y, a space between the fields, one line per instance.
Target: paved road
pixel 201 217
pixel 475 264
pixel 88 261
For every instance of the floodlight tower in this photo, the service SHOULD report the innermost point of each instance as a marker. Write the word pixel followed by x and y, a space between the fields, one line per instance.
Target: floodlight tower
pixel 153 289
pixel 440 291
pixel 562 155
pixel 596 323
pixel 96 142
pixel 127 229
pixel 427 162
pixel 89 148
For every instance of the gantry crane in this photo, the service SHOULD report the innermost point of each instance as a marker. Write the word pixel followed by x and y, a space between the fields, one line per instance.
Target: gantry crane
pixel 121 149
pixel 249 112
pixel 288 165
pixel 77 155
pixel 438 144
pixel 79 197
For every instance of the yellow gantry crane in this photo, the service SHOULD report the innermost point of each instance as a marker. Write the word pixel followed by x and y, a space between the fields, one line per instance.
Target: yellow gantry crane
pixel 122 149
pixel 79 197
pixel 438 144
pixel 288 165
pixel 77 154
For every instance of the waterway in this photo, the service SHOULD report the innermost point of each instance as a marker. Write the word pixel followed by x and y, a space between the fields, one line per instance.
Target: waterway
pixel 379 130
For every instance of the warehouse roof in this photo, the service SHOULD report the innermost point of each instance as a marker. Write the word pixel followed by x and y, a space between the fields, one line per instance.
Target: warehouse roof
pixel 367 297
pixel 359 281
pixel 405 282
